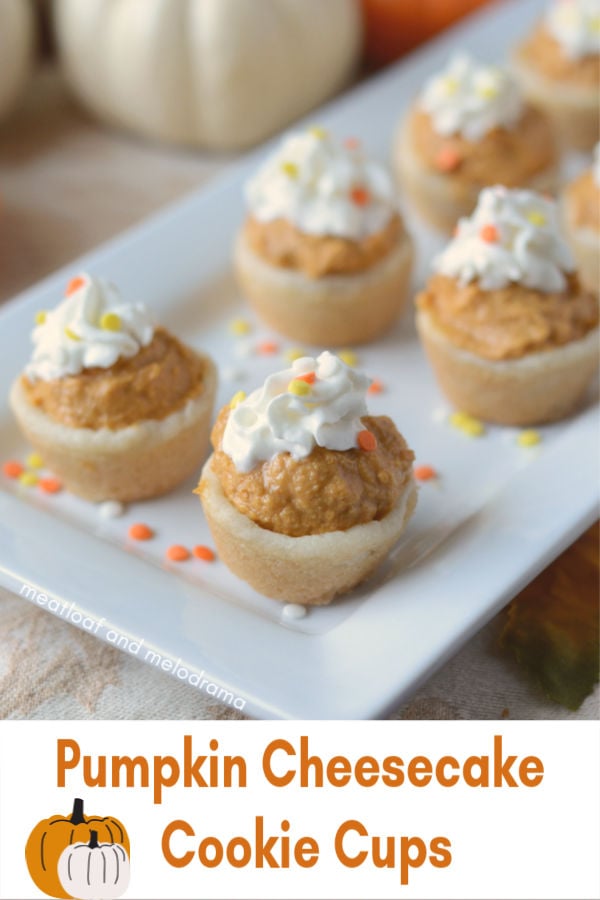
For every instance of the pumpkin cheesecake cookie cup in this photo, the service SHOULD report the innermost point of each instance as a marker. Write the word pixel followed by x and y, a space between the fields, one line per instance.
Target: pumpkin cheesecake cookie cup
pixel 119 409
pixel 305 493
pixel 511 333
pixel 324 257
pixel 558 68
pixel 469 129
pixel 580 207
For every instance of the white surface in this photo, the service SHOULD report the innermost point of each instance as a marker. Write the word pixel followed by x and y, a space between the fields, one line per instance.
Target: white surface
pixel 497 516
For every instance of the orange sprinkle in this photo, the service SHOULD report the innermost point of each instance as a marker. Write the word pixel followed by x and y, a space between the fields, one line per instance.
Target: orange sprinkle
pixel 267 347
pixel 352 143
pixel 424 473
pixel 50 485
pixel 177 553
pixel 367 440
pixel 140 532
pixel 204 553
pixel 375 387
pixel 75 284
pixel 489 234
pixel 309 378
pixel 447 159
pixel 360 195
pixel 12 468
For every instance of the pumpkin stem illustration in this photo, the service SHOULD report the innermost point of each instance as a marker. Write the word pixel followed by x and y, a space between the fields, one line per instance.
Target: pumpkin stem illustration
pixel 93 840
pixel 77 817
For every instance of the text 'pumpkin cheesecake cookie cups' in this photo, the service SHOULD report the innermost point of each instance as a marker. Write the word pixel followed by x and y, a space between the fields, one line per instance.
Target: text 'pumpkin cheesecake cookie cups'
pixel 323 256
pixel 305 493
pixel 468 129
pixel 511 333
pixel 119 409
pixel 558 68
pixel 580 206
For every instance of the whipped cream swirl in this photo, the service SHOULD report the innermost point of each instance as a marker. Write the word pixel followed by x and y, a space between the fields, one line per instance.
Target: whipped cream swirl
pixel 317 402
pixel 91 327
pixel 471 98
pixel 575 26
pixel 323 187
pixel 512 236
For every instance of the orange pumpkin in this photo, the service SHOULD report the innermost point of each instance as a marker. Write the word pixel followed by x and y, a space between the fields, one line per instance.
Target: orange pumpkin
pixel 51 836
pixel 394 26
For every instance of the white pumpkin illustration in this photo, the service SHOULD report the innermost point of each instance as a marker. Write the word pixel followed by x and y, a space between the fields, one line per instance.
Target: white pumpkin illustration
pixel 94 871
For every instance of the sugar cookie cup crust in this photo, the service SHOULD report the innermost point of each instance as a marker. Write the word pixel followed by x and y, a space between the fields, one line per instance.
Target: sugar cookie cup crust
pixel 443 199
pixel 573 108
pixel 310 570
pixel 142 460
pixel 334 310
pixel 537 388
pixel 585 244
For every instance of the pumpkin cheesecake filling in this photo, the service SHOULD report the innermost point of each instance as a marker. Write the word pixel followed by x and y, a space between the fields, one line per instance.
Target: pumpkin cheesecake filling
pixel 509 322
pixel 583 198
pixel 542 51
pixel 328 490
pixel 509 156
pixel 282 244
pixel 152 384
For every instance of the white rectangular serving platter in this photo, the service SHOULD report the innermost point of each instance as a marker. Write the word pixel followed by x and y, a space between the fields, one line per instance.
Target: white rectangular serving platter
pixel 497 515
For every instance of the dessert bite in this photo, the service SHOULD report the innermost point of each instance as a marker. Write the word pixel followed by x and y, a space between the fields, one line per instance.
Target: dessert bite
pixel 117 407
pixel 558 68
pixel 305 493
pixel 323 256
pixel 580 209
pixel 468 129
pixel 510 331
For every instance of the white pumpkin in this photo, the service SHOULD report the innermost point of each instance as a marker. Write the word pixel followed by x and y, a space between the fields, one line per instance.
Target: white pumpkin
pixel 220 74
pixel 16 50
pixel 94 871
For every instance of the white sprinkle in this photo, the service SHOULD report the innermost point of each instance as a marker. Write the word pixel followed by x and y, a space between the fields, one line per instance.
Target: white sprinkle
pixel 230 373
pixel 111 509
pixel 243 349
pixel 439 414
pixel 293 611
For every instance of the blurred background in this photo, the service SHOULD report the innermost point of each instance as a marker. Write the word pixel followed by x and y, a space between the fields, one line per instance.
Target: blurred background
pixel 111 108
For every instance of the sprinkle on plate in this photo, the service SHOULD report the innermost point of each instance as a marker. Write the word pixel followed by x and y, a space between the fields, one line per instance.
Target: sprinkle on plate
pixel 425 473
pixel 140 532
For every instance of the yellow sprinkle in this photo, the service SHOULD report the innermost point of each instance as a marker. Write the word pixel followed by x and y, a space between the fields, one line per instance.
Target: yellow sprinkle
pixel 294 353
pixel 529 438
pixel 488 91
pixel 467 424
pixel 318 132
pixel 28 479
pixel 290 169
pixel 473 428
pixel 40 317
pixel 239 327
pixel 34 461
pixel 298 387
pixel 451 85
pixel 536 217
pixel 594 24
pixel 71 334
pixel 237 399
pixel 110 322
pixel 349 357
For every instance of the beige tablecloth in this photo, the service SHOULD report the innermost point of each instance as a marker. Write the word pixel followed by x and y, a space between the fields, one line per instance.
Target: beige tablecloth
pixel 67 185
